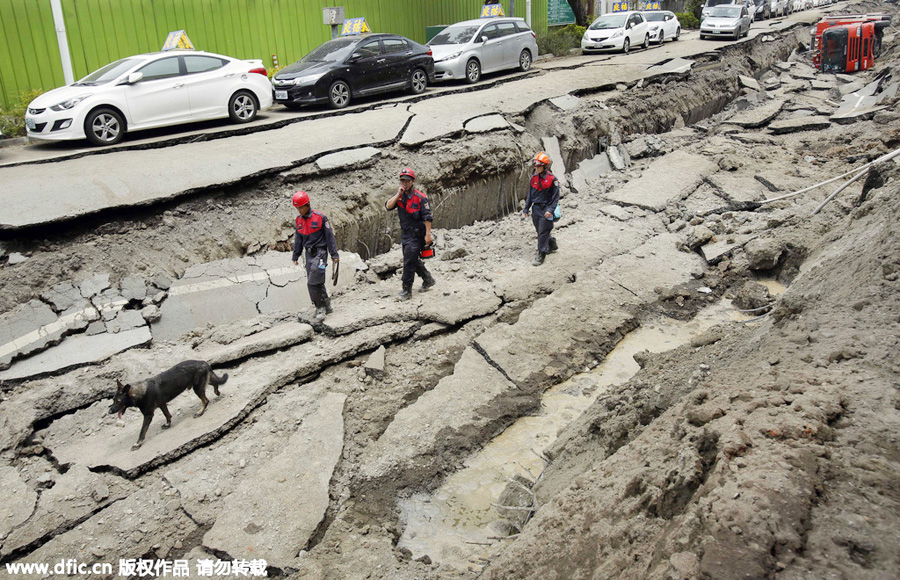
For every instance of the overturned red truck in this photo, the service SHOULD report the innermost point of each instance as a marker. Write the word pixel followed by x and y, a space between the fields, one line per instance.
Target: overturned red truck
pixel 848 42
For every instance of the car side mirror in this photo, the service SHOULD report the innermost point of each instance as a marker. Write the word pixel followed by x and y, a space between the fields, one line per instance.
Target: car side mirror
pixel 484 39
pixel 133 78
pixel 354 57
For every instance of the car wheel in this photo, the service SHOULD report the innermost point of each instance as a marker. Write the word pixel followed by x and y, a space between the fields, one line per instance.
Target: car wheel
pixel 646 44
pixel 702 37
pixel 525 60
pixel 677 33
pixel 473 71
pixel 104 127
pixel 339 95
pixel 662 37
pixel 626 46
pixel 242 107
pixel 418 82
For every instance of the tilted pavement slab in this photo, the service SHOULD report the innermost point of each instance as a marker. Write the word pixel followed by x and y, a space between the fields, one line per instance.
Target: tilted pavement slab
pixel 277 337
pixel 18 498
pixel 471 400
pixel 76 351
pixel 274 516
pixel 656 263
pixel 757 116
pixel 205 480
pixel 28 328
pixel 91 437
pixel 814 123
pixel 560 334
pixel 35 194
pixel 738 187
pixel 346 158
pixel 239 289
pixel 715 251
pixel 590 170
pixel 74 496
pixel 669 178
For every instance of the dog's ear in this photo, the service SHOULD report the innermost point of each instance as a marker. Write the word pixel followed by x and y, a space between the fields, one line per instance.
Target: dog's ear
pixel 120 388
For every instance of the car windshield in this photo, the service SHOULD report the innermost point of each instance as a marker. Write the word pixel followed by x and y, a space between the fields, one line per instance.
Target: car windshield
pixel 654 16
pixel 609 21
pixel 110 72
pixel 726 11
pixel 332 51
pixel 454 35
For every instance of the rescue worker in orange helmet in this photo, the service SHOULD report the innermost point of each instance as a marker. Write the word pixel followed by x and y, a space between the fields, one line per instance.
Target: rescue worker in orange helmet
pixel 314 234
pixel 542 199
pixel 414 211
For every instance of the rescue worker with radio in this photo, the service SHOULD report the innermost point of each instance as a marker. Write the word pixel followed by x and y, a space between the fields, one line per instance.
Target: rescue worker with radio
pixel 543 202
pixel 414 211
pixel 314 234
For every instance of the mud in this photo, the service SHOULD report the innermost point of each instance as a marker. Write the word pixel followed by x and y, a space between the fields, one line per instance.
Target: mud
pixel 766 446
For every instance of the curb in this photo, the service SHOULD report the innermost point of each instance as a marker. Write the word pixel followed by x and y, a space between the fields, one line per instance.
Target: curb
pixel 13 141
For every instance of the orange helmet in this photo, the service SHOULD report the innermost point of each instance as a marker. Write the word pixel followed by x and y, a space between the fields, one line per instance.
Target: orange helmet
pixel 300 199
pixel 542 159
pixel 407 172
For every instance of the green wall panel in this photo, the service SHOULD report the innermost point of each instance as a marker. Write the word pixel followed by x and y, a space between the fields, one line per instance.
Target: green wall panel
pixel 101 31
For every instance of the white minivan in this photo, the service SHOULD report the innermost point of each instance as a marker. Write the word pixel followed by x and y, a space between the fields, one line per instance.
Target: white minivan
pixel 466 49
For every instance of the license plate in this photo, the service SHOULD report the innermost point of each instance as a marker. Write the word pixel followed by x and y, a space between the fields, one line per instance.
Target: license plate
pixel 281 95
pixel 29 123
pixel 717 31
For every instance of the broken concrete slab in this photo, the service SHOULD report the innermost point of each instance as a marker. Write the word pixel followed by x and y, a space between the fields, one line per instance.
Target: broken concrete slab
pixel 91 436
pixel 673 66
pixel 346 158
pixel 590 170
pixel 125 320
pixel 460 304
pixel 656 263
pixel 749 82
pixel 818 85
pixel 265 520
pixel 126 529
pixel 29 328
pixel 486 123
pixel 94 285
pixel 616 211
pixel 738 188
pixel 76 351
pixel 757 116
pixel 463 403
pixel 73 497
pixel 669 178
pixel 551 147
pixel 274 338
pixel 374 366
pixel 565 102
pixel 713 252
pixel 617 158
pixel 813 123
pixel 856 115
pixel 535 359
pixel 18 500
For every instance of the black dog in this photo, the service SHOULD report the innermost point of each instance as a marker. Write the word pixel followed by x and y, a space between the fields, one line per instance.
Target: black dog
pixel 155 392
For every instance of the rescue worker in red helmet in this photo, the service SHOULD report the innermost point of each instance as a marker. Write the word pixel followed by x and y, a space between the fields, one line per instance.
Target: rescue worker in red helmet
pixel 314 234
pixel 414 212
pixel 542 199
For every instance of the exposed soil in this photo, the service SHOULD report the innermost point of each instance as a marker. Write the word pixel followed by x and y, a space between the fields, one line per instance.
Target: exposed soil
pixel 764 449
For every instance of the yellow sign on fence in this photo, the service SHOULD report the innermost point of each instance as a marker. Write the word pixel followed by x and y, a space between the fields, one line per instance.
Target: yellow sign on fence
pixel 178 39
pixel 355 26
pixel 619 7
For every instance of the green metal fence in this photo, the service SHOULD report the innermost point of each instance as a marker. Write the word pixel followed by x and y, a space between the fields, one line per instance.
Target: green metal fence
pixel 101 31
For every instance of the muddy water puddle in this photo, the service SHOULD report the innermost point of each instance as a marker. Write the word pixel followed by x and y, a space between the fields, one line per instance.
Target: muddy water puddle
pixel 457 524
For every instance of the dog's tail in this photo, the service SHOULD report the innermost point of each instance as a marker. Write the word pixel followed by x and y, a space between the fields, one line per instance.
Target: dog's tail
pixel 216 380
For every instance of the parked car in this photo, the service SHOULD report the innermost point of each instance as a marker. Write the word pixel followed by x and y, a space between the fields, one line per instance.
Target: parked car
pixel 710 4
pixel 730 20
pixel 778 8
pixel 466 50
pixel 663 24
pixel 150 90
pixel 616 31
pixel 762 9
pixel 349 67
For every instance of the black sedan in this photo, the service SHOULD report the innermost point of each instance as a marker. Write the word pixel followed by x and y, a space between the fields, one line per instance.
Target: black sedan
pixel 355 66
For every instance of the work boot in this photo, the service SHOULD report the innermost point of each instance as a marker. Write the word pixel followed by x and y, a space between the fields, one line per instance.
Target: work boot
pixel 427 281
pixel 321 311
pixel 553 246
pixel 328 308
pixel 538 258
pixel 405 294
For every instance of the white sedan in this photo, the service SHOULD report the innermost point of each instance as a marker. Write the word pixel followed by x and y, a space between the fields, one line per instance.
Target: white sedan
pixel 663 25
pixel 616 31
pixel 150 90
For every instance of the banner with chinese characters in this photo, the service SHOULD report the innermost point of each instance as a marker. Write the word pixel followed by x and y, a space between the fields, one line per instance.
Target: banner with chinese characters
pixel 619 7
pixel 491 10
pixel 355 26
pixel 651 5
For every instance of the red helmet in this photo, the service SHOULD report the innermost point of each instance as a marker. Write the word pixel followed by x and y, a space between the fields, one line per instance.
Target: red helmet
pixel 300 199
pixel 542 159
pixel 407 172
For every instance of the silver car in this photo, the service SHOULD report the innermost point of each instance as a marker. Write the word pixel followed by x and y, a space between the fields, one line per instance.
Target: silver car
pixel 467 49
pixel 726 20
